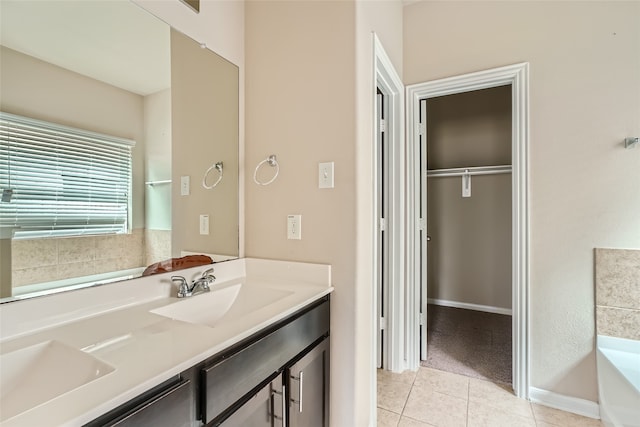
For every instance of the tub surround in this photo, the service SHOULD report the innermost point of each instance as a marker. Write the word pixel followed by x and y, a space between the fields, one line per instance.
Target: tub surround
pixel 618 293
pixel 617 273
pixel 114 324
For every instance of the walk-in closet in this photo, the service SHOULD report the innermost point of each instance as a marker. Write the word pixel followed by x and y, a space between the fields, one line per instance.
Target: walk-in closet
pixel 469 257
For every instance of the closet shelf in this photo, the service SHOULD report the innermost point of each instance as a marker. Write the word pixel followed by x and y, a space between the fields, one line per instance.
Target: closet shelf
pixel 152 183
pixel 470 171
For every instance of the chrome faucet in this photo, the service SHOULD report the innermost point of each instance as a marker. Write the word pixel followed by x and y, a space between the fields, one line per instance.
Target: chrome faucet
pixel 203 282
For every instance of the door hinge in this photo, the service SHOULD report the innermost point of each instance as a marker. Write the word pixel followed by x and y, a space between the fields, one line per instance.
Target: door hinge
pixel 383 323
pixel 383 125
pixel 420 128
pixel 422 319
pixel 421 224
pixel 383 224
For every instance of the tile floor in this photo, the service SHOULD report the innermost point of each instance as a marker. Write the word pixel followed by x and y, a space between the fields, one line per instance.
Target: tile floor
pixel 433 398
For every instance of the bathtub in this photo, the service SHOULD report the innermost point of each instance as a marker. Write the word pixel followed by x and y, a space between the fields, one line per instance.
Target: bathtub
pixel 618 362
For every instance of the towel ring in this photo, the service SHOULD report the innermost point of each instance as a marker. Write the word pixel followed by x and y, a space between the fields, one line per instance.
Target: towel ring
pixel 218 167
pixel 271 161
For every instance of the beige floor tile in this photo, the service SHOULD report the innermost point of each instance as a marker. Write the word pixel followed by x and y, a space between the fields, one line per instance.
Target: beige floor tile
pixel 387 418
pixel 556 417
pixel 410 422
pixel 499 397
pixel 481 415
pixel 392 395
pixel 438 409
pixel 406 377
pixel 443 382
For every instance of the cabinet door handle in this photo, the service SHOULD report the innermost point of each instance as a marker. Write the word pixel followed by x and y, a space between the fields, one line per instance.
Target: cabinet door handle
pixel 283 395
pixel 300 379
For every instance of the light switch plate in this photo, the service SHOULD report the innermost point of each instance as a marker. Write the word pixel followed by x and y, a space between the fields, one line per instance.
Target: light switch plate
pixel 294 227
pixel 325 175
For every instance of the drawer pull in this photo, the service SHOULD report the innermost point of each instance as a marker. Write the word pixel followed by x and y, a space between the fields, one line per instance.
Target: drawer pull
pixel 283 395
pixel 300 379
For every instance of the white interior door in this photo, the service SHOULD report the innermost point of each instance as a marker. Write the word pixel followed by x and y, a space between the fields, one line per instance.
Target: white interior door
pixel 382 190
pixel 421 274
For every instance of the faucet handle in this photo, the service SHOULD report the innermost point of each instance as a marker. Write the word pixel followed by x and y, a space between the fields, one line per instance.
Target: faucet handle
pixel 183 287
pixel 208 275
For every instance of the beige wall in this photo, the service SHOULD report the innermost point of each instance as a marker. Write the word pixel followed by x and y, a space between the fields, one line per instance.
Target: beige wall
pixel 469 258
pixel 309 100
pixel 469 255
pixel 300 106
pixel 584 99
pixel 204 115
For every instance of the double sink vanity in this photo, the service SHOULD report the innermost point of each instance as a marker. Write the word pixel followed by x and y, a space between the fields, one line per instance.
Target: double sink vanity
pixel 253 350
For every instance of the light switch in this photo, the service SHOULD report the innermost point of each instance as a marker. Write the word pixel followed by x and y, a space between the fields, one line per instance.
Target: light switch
pixel 294 227
pixel 325 175
pixel 204 224
pixel 184 185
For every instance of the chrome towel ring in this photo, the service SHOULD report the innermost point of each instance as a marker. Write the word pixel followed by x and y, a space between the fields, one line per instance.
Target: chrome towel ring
pixel 217 166
pixel 271 161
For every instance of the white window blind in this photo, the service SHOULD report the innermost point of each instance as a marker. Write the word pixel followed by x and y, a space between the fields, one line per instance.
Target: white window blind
pixel 60 181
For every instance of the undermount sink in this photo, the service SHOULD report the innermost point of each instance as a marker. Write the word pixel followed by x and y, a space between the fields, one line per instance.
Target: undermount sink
pixel 226 303
pixel 34 375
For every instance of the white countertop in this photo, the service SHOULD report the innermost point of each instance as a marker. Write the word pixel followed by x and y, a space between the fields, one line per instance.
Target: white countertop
pixel 144 348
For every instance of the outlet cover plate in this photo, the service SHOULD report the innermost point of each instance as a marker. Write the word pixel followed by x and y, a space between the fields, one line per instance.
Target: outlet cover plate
pixel 294 227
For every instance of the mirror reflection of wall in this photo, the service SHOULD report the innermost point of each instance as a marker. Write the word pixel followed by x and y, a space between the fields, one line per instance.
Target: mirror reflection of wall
pixel 87 83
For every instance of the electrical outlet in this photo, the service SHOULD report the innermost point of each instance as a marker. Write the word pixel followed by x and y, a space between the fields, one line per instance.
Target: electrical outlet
pixel 294 227
pixel 204 224
pixel 184 185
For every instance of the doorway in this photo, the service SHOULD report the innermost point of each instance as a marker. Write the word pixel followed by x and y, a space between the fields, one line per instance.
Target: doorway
pixel 417 248
pixel 469 233
pixel 388 215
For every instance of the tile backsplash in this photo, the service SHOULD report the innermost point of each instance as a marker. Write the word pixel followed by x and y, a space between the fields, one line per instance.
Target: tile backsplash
pixel 617 274
pixel 41 260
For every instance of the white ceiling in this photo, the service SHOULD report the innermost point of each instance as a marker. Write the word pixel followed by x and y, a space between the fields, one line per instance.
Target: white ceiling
pixel 113 41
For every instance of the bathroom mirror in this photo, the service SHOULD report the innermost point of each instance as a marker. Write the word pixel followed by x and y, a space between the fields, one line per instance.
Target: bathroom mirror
pixel 114 69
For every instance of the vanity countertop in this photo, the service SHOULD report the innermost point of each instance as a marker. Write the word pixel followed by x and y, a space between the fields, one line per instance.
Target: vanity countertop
pixel 143 348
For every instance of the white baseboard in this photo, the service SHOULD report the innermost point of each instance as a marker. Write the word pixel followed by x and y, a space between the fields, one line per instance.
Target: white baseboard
pixel 575 405
pixel 476 307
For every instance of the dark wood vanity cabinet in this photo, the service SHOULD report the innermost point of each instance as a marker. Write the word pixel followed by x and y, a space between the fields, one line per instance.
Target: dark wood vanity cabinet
pixel 277 377
pixel 300 392
pixel 268 369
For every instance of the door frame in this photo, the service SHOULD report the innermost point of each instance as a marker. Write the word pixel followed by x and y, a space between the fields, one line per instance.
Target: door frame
pixel 516 75
pixel 388 81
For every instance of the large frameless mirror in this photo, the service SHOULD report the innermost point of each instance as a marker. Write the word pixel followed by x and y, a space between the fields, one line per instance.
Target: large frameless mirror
pixel 110 70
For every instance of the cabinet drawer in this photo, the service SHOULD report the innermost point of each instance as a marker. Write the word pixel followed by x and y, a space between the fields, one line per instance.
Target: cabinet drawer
pixel 227 381
pixel 169 407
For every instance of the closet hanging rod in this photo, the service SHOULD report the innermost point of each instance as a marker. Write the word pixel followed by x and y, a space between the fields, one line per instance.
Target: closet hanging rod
pixel 475 170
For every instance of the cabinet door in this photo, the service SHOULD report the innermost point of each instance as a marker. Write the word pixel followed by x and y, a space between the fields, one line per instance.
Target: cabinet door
pixel 262 410
pixel 309 388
